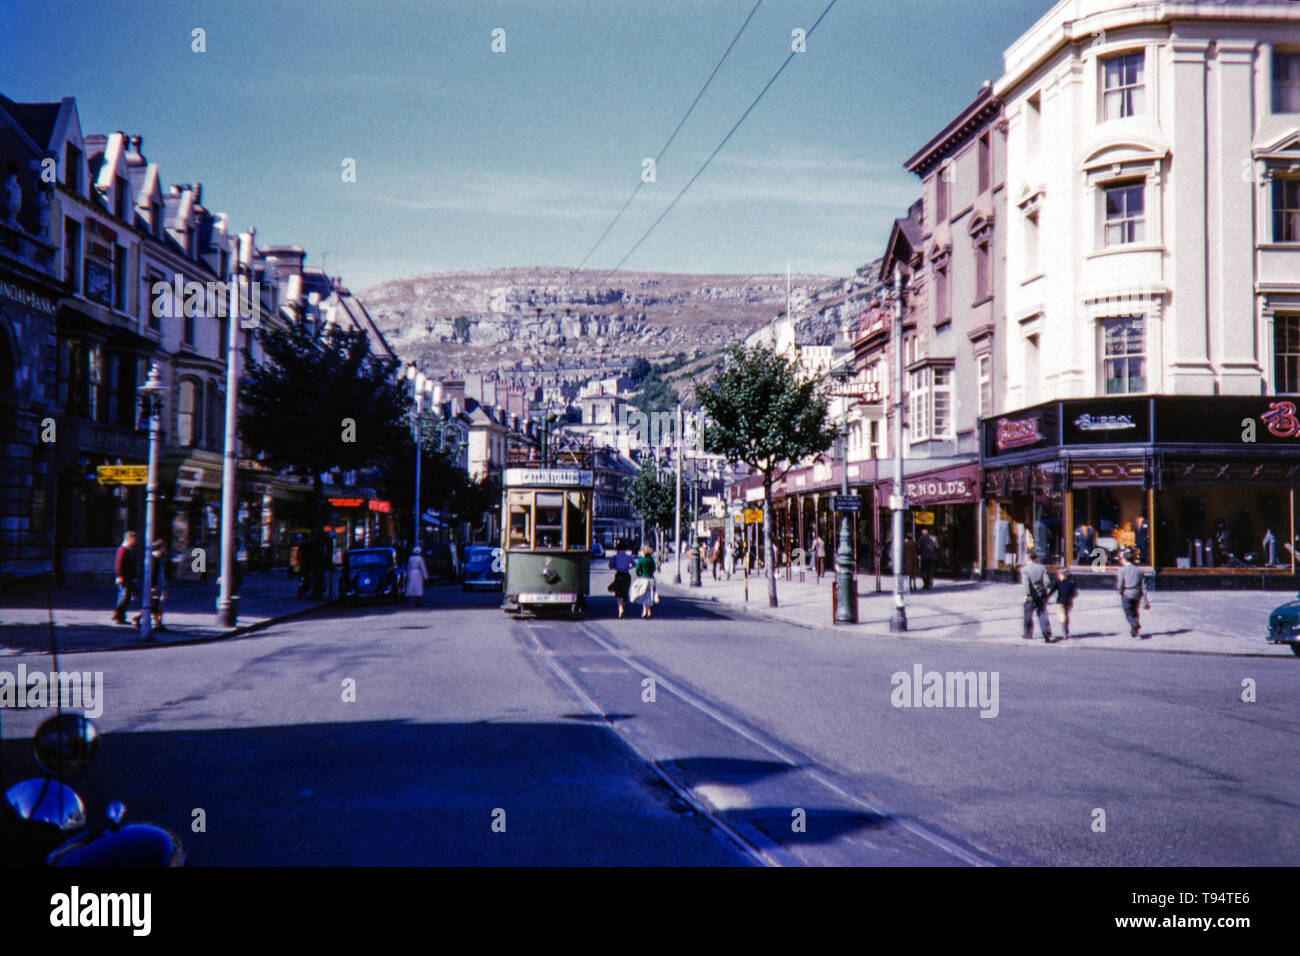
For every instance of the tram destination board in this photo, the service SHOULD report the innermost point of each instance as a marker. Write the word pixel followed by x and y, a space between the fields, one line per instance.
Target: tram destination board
pixel 548 477
pixel 846 503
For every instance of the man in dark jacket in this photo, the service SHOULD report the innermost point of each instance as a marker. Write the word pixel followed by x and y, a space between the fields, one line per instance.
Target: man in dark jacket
pixel 929 548
pixel 126 577
pixel 1038 586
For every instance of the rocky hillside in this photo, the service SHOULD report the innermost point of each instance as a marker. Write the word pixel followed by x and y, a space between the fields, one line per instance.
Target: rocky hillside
pixel 466 321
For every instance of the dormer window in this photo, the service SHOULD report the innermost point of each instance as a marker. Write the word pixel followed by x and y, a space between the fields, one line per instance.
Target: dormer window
pixel 1123 85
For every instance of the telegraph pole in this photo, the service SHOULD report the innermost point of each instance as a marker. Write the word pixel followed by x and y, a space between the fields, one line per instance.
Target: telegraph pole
pixel 677 523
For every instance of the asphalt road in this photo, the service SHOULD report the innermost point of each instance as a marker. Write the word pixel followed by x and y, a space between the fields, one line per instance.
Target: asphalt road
pixel 756 742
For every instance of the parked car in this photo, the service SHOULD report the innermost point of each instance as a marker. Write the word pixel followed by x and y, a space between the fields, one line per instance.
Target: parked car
pixel 481 568
pixel 597 549
pixel 1284 625
pixel 371 574
pixel 440 560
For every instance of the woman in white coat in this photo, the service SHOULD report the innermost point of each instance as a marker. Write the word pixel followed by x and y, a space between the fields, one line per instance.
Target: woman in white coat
pixel 416 573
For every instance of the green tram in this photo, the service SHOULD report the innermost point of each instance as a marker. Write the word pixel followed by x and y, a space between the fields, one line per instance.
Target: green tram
pixel 546 539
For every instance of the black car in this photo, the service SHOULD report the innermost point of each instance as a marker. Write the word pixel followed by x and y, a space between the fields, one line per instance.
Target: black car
pixel 372 574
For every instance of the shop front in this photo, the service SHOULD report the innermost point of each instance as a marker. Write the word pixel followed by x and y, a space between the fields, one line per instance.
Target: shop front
pixel 1200 489
pixel 942 501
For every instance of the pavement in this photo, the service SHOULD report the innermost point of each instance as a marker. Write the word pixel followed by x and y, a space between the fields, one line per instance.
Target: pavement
pixel 1195 622
pixel 82 615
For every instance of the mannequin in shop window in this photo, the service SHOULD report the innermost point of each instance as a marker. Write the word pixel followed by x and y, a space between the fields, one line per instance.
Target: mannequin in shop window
pixel 1142 539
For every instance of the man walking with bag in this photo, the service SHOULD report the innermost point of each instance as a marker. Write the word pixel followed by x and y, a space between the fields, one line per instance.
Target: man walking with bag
pixel 1131 590
pixel 1037 588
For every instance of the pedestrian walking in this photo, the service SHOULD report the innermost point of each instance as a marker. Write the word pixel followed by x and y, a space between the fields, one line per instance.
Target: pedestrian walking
pixel 929 548
pixel 1131 590
pixel 1038 588
pixel 819 555
pixel 416 575
pixel 158 585
pixel 1066 591
pixel 621 564
pixel 643 588
pixel 910 563
pixel 715 556
pixel 126 577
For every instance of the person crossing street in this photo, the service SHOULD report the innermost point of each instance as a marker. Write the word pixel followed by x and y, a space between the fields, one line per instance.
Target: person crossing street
pixel 1131 590
pixel 1038 587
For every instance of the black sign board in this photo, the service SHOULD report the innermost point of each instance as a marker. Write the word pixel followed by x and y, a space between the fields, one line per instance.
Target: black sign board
pixel 1243 420
pixel 846 503
pixel 1106 421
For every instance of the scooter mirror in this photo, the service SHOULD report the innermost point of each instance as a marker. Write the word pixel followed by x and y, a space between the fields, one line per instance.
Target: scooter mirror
pixel 66 743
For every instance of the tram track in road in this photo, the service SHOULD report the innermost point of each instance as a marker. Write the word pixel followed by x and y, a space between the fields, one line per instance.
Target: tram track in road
pixel 751 784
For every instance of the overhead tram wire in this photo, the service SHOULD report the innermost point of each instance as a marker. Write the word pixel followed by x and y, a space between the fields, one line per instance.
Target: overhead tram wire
pixel 669 142
pixel 718 148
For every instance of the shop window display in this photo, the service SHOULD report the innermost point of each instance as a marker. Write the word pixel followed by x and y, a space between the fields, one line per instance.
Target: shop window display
pixel 1111 519
pixel 1223 527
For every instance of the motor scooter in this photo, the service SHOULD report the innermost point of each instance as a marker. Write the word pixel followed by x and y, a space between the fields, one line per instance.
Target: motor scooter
pixel 43 820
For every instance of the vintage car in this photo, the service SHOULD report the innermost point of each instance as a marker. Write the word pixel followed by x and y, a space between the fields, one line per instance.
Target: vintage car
pixel 371 574
pixel 1284 625
pixel 482 568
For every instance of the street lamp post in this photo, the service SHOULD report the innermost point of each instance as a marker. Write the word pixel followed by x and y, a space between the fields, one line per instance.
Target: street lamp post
pixel 422 385
pixel 227 602
pixel 897 502
pixel 151 397
pixel 695 534
pixel 846 585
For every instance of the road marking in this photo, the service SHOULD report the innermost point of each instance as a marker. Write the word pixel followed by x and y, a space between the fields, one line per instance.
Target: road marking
pixel 924 833
pixel 766 856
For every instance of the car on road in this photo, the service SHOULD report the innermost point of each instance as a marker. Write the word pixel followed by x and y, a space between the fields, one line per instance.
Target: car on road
pixel 440 561
pixel 1284 625
pixel 371 574
pixel 597 549
pixel 482 568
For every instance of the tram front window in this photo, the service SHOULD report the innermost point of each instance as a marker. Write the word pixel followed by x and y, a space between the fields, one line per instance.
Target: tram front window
pixel 520 512
pixel 575 520
pixel 550 511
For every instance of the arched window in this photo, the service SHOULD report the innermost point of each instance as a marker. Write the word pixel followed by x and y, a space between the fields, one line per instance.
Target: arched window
pixel 216 418
pixel 189 412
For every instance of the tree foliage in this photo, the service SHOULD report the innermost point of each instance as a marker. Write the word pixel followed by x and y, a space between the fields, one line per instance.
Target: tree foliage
pixel 296 404
pixel 318 402
pixel 762 411
pixel 652 496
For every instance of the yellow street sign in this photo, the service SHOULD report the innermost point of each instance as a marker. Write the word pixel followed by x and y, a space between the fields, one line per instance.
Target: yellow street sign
pixel 122 474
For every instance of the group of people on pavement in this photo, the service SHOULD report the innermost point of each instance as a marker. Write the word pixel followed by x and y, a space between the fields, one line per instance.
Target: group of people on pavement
pixel 127 578
pixel 1040 586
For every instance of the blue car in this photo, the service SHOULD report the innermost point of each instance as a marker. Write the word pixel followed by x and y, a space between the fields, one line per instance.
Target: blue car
pixel 1284 625
pixel 481 568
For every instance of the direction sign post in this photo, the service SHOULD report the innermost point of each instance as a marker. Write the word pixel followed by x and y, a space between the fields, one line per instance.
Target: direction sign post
pixel 122 474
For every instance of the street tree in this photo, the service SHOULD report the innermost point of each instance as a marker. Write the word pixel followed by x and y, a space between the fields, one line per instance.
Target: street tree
pixel 761 410
pixel 653 499
pixel 318 402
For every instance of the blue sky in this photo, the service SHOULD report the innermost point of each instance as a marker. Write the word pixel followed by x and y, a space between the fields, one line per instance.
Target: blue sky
pixel 469 159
